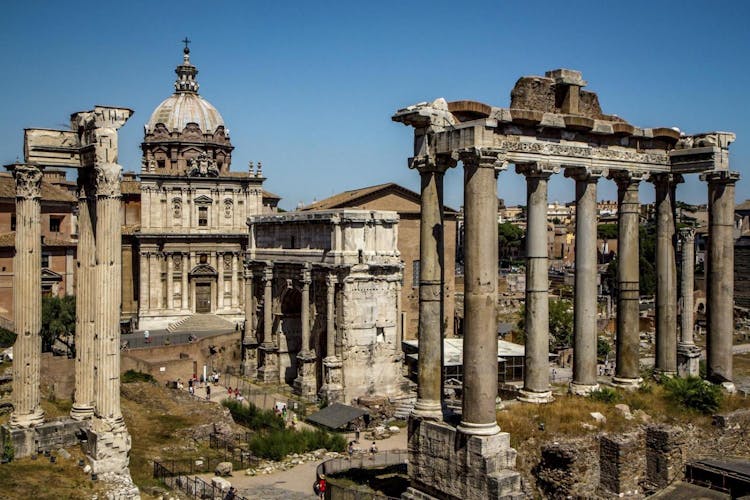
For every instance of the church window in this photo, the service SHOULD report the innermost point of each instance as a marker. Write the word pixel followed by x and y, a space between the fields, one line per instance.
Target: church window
pixel 203 216
pixel 54 224
pixel 161 164
pixel 45 259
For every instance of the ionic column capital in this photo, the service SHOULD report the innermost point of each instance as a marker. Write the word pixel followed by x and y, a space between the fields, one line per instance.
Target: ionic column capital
pixel 665 178
pixel 107 180
pixel 482 158
pixel 28 181
pixel 625 178
pixel 586 174
pixel 432 164
pixel 537 170
pixel 720 177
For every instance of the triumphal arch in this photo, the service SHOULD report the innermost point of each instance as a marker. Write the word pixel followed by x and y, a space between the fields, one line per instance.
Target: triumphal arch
pixel 552 126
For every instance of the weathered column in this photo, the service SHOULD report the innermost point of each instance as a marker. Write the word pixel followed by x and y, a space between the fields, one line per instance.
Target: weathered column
pixel 250 339
pixel 268 370
pixel 480 292
pixel 220 281
pixel 666 274
pixel 536 386
pixel 431 307
pixel 720 275
pixel 627 373
pixel 235 282
pixel 170 281
pixel 143 292
pixel 305 384
pixel 83 403
pixel 154 277
pixel 688 354
pixel 184 294
pixel 585 309
pixel 332 390
pixel 27 297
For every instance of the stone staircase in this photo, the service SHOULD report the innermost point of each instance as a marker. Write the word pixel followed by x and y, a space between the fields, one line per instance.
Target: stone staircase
pixel 201 323
pixel 403 405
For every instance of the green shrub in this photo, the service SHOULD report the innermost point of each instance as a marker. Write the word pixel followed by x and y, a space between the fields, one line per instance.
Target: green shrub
pixel 7 338
pixel 252 417
pixel 605 395
pixel 134 376
pixel 8 451
pixel 276 444
pixel 693 393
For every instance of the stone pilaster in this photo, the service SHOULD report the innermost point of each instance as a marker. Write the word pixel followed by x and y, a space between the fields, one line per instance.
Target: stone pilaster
pixel 481 167
pixel 720 275
pixel 332 390
pixel 666 274
pixel 27 298
pixel 170 281
pixel 585 309
pixel 431 284
pixel 235 282
pixel 268 370
pixel 536 386
pixel 305 384
pixel 627 373
pixel 83 402
pixel 184 293
pixel 688 354
pixel 219 281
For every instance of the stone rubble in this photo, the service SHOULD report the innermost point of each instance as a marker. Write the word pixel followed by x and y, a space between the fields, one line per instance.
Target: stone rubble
pixel 269 467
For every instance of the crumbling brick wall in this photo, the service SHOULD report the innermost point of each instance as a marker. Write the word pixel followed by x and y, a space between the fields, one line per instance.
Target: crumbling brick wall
pixel 568 469
pixel 621 463
pixel 664 455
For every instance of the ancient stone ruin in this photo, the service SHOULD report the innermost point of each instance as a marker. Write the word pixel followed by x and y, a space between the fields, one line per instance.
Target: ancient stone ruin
pixel 552 125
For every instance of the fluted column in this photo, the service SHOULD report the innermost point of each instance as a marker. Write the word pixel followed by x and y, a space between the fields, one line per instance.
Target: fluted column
pixel 332 389
pixel 184 293
pixel 143 286
pixel 268 304
pixel 536 386
pixel 720 275
pixel 666 274
pixel 480 296
pixel 331 281
pixel 627 373
pixel 305 310
pixel 249 340
pixel 269 368
pixel 688 354
pixel 585 310
pixel 431 279
pixel 83 404
pixel 27 298
pixel 305 384
pixel 235 281
pixel 170 281
pixel 220 281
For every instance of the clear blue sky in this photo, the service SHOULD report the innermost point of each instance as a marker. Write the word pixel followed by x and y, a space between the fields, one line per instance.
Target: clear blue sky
pixel 309 87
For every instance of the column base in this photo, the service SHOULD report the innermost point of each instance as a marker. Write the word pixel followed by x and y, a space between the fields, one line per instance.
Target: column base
pixel 268 360
pixel 80 412
pixel 306 385
pixel 472 429
pixel 528 396
pixel 582 389
pixel 60 433
pixel 688 360
pixel 332 390
pixel 426 409
pixel 446 463
pixel 249 366
pixel 108 446
pixel 627 383
pixel 27 421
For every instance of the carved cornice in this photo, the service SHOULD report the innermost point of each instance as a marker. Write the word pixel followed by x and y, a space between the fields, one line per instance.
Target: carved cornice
pixel 28 182
pixel 107 180
pixel 427 163
pixel 664 178
pixel 538 170
pixel 482 158
pixel 625 178
pixel 586 174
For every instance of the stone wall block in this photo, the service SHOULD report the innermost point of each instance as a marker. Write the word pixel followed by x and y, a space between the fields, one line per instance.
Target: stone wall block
pixel 620 463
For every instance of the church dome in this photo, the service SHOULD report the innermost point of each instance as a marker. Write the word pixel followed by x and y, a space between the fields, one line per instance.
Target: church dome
pixel 185 105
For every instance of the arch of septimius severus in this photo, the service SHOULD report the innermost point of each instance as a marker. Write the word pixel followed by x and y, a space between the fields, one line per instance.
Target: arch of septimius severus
pixel 90 147
pixel 553 125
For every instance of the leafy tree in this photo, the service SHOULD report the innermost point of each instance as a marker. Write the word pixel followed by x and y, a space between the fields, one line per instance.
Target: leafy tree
pixel 560 324
pixel 646 263
pixel 7 338
pixel 58 321
pixel 607 231
pixel 603 347
pixel 510 241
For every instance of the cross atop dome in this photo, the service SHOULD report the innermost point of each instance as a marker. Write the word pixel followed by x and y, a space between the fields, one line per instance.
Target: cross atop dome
pixel 186 72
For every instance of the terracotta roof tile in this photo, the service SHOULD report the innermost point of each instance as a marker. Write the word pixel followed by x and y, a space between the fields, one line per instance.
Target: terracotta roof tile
pixel 50 192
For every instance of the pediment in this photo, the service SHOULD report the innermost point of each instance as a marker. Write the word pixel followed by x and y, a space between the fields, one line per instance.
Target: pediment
pixel 203 199
pixel 203 270
pixel 50 275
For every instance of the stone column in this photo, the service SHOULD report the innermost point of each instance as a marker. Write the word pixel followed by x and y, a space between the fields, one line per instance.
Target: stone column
pixel 720 275
pixel 305 384
pixel 431 306
pixel 688 354
pixel 27 298
pixel 480 295
pixel 250 340
pixel 143 285
pixel 332 390
pixel 83 403
pixel 220 281
pixel 184 293
pixel 536 386
pixel 170 281
pixel 666 274
pixel 585 308
pixel 269 367
pixel 627 372
pixel 235 282
pixel 153 278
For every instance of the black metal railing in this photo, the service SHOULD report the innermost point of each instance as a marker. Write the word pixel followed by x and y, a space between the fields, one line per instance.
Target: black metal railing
pixel 175 477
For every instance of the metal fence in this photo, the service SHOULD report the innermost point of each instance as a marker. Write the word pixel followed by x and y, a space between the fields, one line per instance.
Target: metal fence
pixel 233 451
pixel 175 477
pixel 263 397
